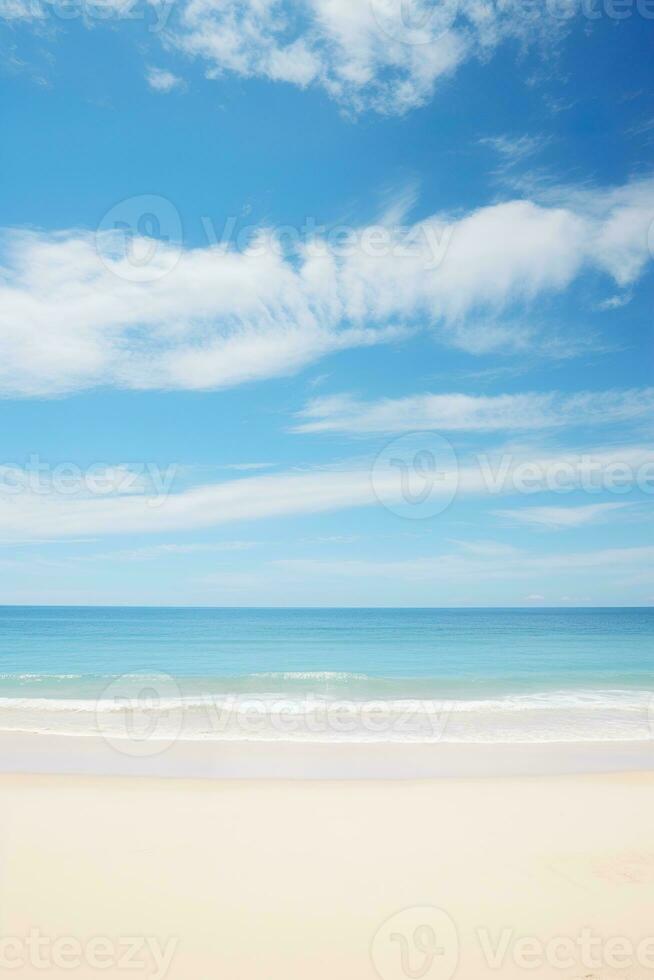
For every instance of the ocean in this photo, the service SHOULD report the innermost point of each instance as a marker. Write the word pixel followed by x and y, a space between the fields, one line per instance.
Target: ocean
pixel 423 675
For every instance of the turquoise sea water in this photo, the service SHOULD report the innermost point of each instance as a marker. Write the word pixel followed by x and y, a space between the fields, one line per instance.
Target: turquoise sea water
pixel 346 674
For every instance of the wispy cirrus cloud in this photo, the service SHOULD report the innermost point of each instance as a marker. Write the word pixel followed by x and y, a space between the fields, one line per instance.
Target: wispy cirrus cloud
pixel 455 412
pixel 245 467
pixel 348 484
pixel 78 310
pixel 558 518
pixel 515 149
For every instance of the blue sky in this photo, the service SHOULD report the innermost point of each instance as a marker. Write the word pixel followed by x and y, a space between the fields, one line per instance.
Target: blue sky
pixel 327 303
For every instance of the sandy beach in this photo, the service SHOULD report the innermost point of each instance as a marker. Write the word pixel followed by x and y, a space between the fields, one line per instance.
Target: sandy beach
pixel 355 879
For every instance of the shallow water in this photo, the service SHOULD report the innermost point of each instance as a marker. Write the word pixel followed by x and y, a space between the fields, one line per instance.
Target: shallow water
pixel 460 675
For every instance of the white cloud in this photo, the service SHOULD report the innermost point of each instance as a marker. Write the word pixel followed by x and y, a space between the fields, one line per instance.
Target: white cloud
pixel 615 302
pixel 475 413
pixel 625 217
pixel 562 517
pixel 246 498
pixel 382 54
pixel 79 310
pixel 514 149
pixel 63 515
pixel 386 55
pixel 72 319
pixel 40 10
pixel 162 80
pixel 24 10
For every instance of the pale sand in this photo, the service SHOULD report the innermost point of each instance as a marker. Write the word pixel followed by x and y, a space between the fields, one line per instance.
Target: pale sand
pixel 291 879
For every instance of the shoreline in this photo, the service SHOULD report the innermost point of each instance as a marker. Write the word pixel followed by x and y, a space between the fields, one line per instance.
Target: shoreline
pixel 39 754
